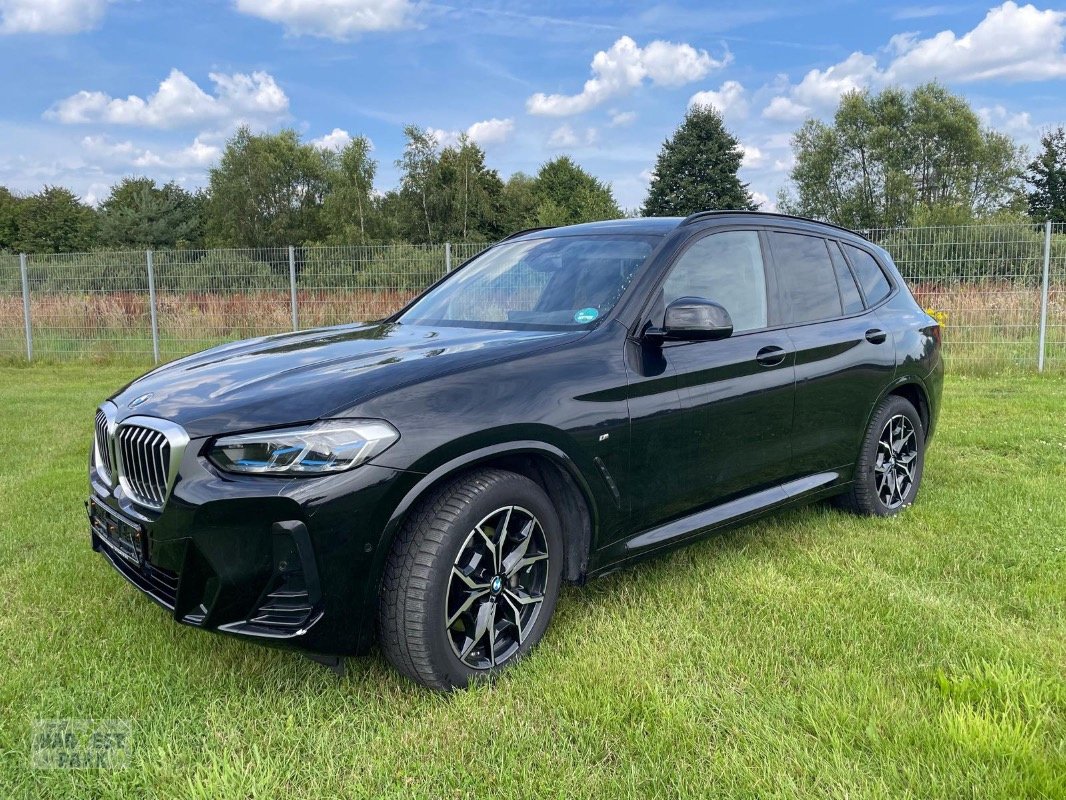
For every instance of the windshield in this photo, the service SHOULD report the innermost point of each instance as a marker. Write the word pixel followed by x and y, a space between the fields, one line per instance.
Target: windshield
pixel 556 283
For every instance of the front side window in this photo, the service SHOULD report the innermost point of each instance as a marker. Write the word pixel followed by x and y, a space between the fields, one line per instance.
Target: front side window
pixel 556 283
pixel 806 276
pixel 728 269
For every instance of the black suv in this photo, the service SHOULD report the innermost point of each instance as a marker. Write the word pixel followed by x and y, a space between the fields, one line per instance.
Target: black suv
pixel 569 400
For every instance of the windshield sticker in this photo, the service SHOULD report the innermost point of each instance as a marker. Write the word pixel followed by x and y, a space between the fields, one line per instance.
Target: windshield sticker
pixel 586 315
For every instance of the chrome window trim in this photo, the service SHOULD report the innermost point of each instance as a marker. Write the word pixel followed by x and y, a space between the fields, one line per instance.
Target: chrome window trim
pixel 178 440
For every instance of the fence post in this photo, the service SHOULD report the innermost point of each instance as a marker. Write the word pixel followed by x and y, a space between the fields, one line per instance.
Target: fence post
pixel 292 288
pixel 1043 296
pixel 26 307
pixel 151 306
pixel 447 256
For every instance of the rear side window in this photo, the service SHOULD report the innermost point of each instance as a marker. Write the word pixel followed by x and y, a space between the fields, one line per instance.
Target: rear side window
pixel 728 269
pixel 849 292
pixel 806 276
pixel 873 281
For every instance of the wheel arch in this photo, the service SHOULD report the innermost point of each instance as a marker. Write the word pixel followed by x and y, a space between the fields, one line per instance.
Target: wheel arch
pixel 547 466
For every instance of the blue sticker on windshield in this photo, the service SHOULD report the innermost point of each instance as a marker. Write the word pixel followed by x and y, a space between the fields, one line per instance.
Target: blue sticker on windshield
pixel 586 315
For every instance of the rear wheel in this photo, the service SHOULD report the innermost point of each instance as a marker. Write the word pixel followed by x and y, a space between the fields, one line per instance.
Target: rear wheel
pixel 892 458
pixel 472 579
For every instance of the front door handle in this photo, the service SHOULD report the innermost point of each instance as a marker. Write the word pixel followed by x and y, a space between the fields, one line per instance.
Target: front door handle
pixel 770 356
pixel 876 336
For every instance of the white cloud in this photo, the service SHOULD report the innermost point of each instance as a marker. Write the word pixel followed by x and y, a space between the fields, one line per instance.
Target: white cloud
pixel 331 19
pixel 565 137
pixel 178 101
pixel 485 133
pixel 1000 118
pixel 624 67
pixel 1011 43
pixel 491 131
pixel 730 99
pixel 337 139
pixel 785 110
pixel 620 119
pixel 753 156
pixel 763 201
pixel 127 154
pixel 50 16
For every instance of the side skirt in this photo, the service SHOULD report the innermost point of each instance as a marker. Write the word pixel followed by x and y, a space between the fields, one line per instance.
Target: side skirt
pixel 693 526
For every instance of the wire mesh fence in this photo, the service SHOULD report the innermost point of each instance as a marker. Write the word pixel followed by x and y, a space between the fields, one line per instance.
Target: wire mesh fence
pixel 985 283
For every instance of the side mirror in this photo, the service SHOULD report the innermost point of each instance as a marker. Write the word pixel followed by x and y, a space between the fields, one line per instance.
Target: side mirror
pixel 695 319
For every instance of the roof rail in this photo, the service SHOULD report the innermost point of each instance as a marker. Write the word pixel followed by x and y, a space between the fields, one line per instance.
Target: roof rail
pixel 528 230
pixel 691 218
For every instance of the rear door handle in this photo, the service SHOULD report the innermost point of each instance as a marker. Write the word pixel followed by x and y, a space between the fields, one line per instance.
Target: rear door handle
pixel 770 356
pixel 876 336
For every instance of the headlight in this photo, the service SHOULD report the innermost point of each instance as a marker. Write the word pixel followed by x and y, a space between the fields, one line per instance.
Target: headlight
pixel 332 446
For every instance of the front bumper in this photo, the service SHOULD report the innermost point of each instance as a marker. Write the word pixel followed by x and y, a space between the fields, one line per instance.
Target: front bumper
pixel 291 562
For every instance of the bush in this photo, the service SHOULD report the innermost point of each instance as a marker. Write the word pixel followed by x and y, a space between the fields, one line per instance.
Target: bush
pixel 398 267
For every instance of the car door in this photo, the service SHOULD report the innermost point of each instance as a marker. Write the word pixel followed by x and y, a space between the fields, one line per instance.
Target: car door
pixel 844 355
pixel 728 431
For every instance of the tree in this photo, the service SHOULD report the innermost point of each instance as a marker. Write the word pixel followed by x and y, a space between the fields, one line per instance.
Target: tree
pixel 349 208
pixel 267 191
pixel 138 213
pixel 55 221
pixel 565 194
pixel 468 191
pixel 517 205
pixel 1047 176
pixel 418 167
pixel 697 169
pixel 891 157
pixel 9 215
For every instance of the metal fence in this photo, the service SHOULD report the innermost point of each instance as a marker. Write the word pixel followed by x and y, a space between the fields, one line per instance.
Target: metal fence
pixel 999 291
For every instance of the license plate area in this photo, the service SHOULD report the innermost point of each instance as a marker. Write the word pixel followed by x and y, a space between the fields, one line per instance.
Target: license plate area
pixel 124 538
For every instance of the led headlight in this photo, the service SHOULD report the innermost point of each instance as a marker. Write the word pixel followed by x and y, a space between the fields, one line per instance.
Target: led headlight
pixel 331 446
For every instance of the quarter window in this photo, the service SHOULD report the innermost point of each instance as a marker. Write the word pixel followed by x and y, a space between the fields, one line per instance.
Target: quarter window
pixel 728 269
pixel 873 281
pixel 806 276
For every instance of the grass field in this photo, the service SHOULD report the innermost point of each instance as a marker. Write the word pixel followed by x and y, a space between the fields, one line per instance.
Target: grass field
pixel 811 654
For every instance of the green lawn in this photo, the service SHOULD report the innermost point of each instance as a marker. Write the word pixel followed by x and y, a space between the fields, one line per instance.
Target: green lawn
pixel 810 654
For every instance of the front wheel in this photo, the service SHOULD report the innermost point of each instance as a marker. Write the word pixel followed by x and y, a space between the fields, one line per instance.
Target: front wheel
pixel 891 460
pixel 472 579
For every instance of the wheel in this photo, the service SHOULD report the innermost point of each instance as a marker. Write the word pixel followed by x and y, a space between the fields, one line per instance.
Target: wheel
pixel 889 469
pixel 472 579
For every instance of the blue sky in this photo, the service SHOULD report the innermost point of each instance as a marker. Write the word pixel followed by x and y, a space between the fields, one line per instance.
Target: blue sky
pixel 97 89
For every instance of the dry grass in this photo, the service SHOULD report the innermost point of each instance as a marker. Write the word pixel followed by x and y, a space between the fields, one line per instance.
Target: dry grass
pixel 986 325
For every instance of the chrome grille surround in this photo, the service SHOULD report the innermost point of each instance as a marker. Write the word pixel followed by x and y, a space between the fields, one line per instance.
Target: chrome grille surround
pixel 104 443
pixel 147 452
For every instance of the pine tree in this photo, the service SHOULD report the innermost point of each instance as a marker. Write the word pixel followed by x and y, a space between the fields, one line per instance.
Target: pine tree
pixel 1047 175
pixel 697 169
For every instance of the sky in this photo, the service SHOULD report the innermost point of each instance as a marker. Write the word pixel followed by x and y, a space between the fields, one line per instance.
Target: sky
pixel 94 90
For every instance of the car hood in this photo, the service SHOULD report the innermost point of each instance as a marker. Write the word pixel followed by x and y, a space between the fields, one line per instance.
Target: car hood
pixel 300 377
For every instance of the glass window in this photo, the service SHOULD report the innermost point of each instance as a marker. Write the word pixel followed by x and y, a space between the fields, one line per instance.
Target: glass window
pixel 849 292
pixel 728 269
pixel 806 277
pixel 873 281
pixel 551 283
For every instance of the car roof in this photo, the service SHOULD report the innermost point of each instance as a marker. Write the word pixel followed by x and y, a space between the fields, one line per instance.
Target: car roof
pixel 661 226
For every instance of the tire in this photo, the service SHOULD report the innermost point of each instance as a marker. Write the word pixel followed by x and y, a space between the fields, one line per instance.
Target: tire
pixel 451 610
pixel 885 484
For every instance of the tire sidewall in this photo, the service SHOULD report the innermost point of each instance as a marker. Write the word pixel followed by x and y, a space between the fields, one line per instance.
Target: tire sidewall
pixel 894 406
pixel 514 490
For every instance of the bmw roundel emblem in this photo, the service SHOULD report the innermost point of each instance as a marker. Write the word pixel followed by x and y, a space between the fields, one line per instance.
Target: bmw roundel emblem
pixel 136 401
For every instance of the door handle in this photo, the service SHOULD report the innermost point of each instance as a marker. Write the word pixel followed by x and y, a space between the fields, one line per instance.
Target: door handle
pixel 770 356
pixel 876 336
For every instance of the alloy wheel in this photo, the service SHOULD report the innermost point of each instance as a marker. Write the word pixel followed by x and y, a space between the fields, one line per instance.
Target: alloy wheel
pixel 496 588
pixel 897 454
